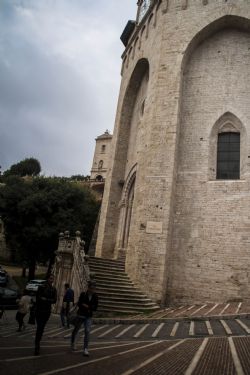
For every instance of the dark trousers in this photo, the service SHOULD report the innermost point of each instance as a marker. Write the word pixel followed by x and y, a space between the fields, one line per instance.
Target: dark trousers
pixel 19 318
pixel 41 319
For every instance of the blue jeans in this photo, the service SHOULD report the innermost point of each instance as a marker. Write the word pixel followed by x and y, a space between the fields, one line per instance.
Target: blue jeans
pixel 87 326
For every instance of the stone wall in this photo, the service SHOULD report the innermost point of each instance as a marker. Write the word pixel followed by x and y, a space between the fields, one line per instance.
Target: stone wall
pixel 186 228
pixel 211 232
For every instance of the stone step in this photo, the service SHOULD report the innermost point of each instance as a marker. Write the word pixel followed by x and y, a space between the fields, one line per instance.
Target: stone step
pixel 108 270
pixel 108 307
pixel 107 266
pixel 134 304
pixel 99 276
pixel 119 311
pixel 107 263
pixel 117 293
pixel 105 260
pixel 100 268
pixel 114 285
pixel 108 297
pixel 114 293
pixel 117 288
pixel 112 276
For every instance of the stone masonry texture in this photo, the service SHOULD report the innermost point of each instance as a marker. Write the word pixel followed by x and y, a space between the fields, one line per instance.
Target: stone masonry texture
pixel 185 78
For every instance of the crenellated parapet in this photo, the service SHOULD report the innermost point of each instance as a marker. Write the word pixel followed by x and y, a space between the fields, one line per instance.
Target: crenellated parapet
pixel 150 13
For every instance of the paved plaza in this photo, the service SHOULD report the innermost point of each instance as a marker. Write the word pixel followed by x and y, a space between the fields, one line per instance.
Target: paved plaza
pixel 204 346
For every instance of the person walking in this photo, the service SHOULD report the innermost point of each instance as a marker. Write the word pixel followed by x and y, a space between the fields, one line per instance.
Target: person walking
pixel 23 308
pixel 68 302
pixel 87 304
pixel 46 296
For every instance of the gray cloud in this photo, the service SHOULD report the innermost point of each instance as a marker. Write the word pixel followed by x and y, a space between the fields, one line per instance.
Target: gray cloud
pixel 59 79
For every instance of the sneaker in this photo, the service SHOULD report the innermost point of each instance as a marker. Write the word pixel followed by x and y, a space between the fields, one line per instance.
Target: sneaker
pixel 73 347
pixel 86 352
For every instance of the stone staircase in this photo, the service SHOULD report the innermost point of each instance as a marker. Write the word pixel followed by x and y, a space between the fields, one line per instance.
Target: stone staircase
pixel 117 294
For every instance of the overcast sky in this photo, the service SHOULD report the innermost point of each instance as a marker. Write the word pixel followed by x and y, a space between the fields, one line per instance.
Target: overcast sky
pixel 59 79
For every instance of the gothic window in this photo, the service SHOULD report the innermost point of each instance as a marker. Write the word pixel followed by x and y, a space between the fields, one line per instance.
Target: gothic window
pixel 228 156
pixel 103 148
pixel 100 165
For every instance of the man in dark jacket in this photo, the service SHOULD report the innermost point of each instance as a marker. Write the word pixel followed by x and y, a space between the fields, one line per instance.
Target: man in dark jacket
pixel 46 296
pixel 68 302
pixel 87 303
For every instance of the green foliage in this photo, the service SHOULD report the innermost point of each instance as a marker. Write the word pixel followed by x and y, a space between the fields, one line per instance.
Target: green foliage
pixel 79 177
pixel 36 210
pixel 26 167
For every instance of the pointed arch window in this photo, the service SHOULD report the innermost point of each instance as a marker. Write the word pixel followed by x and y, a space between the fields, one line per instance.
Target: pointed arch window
pixel 228 156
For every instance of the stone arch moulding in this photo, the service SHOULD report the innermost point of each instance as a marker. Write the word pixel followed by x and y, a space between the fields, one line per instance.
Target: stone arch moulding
pixel 129 181
pixel 214 26
pixel 140 69
pixel 121 141
pixel 127 108
pixel 228 122
pixel 225 22
pixel 126 207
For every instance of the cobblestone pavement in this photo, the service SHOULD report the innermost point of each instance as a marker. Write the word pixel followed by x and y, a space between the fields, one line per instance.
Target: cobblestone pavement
pixel 204 347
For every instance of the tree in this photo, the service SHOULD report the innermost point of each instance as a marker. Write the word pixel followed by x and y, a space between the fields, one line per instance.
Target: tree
pixel 79 177
pixel 26 167
pixel 35 211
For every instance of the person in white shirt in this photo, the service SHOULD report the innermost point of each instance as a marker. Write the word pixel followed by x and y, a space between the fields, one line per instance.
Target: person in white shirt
pixel 23 308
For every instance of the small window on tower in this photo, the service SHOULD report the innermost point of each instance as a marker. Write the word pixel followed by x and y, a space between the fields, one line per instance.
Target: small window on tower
pixel 228 156
pixel 103 148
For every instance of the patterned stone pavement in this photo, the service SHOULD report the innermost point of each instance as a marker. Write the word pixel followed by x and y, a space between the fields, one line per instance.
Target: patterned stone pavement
pixel 189 346
pixel 204 310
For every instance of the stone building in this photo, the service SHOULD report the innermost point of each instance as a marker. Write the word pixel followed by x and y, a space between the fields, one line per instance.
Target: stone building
pixel 101 157
pixel 176 202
